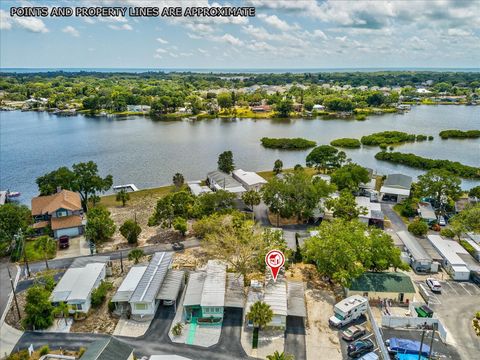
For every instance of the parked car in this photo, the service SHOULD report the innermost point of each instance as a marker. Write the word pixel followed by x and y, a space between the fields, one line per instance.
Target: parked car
pixel 359 348
pixel 178 246
pixel 434 285
pixel 64 241
pixel 353 332
pixel 442 221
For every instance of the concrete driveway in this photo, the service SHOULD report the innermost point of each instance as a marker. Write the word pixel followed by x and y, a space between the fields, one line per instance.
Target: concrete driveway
pixel 78 246
pixel 295 338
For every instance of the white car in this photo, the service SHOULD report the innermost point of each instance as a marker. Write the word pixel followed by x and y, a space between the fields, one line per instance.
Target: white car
pixel 441 221
pixel 434 285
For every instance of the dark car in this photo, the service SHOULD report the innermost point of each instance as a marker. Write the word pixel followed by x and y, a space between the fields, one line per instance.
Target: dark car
pixel 178 246
pixel 359 348
pixel 353 332
pixel 64 241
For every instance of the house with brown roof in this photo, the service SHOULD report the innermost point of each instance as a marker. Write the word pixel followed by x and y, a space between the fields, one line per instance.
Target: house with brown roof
pixel 61 211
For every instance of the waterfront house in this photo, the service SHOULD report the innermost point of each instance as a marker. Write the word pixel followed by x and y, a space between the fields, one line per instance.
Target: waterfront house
pixel 61 211
pixel 218 180
pixel 396 188
pixel 108 348
pixel 261 108
pixel 249 179
pixel 378 286
pixel 204 299
pixel 138 108
pixel 196 188
pixel 77 284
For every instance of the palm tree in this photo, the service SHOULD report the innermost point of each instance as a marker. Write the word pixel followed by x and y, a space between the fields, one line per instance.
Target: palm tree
pixel 62 309
pixel 260 314
pixel 123 196
pixel 280 356
pixel 136 255
pixel 178 180
pixel 46 245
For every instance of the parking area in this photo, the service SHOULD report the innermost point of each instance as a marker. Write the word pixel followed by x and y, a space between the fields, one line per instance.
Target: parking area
pixel 368 336
pixel 450 289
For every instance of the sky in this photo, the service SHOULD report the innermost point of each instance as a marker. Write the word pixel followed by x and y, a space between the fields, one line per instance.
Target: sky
pixel 283 34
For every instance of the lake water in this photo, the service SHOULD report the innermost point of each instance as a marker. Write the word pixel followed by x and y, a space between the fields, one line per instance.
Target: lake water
pixel 147 153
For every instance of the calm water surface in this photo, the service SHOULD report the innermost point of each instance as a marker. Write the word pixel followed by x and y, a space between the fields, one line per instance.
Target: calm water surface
pixel 147 153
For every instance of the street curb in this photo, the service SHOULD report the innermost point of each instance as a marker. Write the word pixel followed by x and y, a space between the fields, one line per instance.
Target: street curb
pixel 10 297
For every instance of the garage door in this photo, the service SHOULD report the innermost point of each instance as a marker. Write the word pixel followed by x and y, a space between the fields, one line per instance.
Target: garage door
pixel 69 231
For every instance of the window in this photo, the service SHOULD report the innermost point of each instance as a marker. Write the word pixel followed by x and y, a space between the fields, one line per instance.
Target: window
pixel 141 306
pixel 77 307
pixel 61 213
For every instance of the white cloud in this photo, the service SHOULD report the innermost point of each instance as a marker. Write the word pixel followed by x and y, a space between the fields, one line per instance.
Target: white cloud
pixel 173 55
pixel 5 20
pixel 71 30
pixel 458 32
pixel 163 51
pixel 121 27
pixel 319 34
pixel 158 56
pixel 89 20
pixel 162 41
pixel 276 22
pixel 32 24
pixel 202 51
pixel 232 40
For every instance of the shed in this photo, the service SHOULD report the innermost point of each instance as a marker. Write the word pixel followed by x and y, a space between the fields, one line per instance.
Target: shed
pixel 451 261
pixel 374 215
pixel 395 286
pixel 426 212
pixel 420 260
pixel 196 188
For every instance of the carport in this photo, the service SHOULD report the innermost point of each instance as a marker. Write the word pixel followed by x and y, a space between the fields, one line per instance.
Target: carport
pixel 234 295
pixel 171 286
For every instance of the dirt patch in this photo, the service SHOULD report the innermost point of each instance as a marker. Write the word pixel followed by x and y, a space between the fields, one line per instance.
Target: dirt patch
pixel 190 259
pixel 12 315
pixel 36 354
pixel 283 221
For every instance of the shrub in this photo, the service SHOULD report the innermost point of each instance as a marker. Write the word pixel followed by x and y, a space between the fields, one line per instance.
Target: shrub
pixel 430 138
pixel 447 233
pixel 420 138
pixel 111 306
pixel 418 228
pixel 287 144
pixel 44 350
pixel 468 247
pixel 383 146
pixel 177 329
pixel 100 293
pixel 459 134
pixel 387 137
pixel 180 224
pixel 361 117
pixel 130 230
pixel 81 352
pixel 346 143
pixel 391 148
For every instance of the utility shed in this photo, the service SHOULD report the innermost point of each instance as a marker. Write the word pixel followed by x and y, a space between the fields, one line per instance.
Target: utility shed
pixel 420 261
pixel 275 295
pixel 451 261
pixel 144 301
pixel 108 348
pixel 234 296
pixel 296 299
pixel 196 188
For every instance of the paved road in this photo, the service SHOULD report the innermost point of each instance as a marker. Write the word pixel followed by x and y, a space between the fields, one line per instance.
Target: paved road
pixel 295 338
pixel 155 341
pixel 397 223
pixel 5 287
pixel 261 214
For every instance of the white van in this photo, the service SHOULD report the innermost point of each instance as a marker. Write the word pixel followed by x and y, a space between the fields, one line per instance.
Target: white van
pixel 348 310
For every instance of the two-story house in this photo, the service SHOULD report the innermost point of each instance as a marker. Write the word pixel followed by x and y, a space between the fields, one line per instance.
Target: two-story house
pixel 61 211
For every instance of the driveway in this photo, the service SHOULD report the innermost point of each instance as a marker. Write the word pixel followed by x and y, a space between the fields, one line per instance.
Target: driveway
pixel 295 338
pixel 397 223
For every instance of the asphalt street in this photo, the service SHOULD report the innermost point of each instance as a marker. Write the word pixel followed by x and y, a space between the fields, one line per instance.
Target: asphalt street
pixel 295 338
pixel 5 286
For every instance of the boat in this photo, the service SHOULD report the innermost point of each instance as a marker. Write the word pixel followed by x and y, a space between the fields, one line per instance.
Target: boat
pixel 126 187
pixel 13 194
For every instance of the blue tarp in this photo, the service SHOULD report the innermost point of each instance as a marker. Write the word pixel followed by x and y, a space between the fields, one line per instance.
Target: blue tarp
pixel 406 346
pixel 409 357
pixel 369 356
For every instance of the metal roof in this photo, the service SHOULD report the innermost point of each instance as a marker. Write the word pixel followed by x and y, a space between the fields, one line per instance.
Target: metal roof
pixel 296 299
pixel 393 190
pixel 414 248
pixel 77 283
pixel 426 211
pixel 193 294
pixel 129 284
pixel 448 249
pixel 83 261
pixel 171 285
pixel 213 293
pixel 108 349
pixel 275 293
pixel 225 181
pixel 234 296
pixel 248 177
pixel 395 282
pixel 152 278
pixel 398 181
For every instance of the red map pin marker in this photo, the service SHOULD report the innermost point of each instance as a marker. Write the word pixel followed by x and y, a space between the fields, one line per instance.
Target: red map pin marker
pixel 274 260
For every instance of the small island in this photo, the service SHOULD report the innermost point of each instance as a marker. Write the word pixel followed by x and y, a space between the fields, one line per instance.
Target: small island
pixel 346 143
pixel 287 143
pixel 459 134
pixel 384 138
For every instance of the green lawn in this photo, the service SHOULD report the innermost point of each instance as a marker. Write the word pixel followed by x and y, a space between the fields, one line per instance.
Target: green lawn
pixel 34 255
pixel 137 196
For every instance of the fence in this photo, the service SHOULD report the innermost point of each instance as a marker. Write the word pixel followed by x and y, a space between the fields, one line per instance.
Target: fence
pixel 378 335
pixel 415 323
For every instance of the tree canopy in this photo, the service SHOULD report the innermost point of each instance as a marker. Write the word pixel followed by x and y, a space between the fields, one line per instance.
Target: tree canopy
pixel 130 230
pixel 350 176
pixel 100 226
pixel 439 184
pixel 13 218
pixel 326 158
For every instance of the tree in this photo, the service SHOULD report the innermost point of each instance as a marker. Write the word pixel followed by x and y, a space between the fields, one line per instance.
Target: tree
pixel 272 196
pixel 251 198
pixel 277 167
pixel 468 220
pixel 350 176
pixel 170 206
pixel 178 180
pixel 474 192
pixel 130 230
pixel 62 309
pixel 63 178
pixel 225 100
pixel 345 249
pixel 418 227
pixel 345 206
pixel 441 185
pixel 206 204
pixel 100 226
pixel 136 255
pixel 225 162
pixel 260 314
pixel 284 107
pixel 38 308
pixel 326 157
pixel 46 245
pixel 180 224
pixel 280 356
pixel 13 218
pixel 123 196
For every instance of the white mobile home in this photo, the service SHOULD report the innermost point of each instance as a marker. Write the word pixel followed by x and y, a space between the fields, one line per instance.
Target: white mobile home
pixel 452 262
pixel 76 286
pixel 249 179
pixel 218 180
pixel 420 261
pixel 396 188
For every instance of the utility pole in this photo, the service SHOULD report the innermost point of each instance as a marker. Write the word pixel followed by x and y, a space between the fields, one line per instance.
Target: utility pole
pixel 14 294
pixel 25 260
pixel 121 261
pixel 421 342
pixel 434 326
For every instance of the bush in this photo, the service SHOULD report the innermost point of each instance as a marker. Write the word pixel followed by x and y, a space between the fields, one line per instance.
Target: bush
pixel 177 329
pixel 459 134
pixel 418 228
pixel 387 137
pixel 468 247
pixel 361 117
pixel 346 143
pixel 130 230
pixel 383 146
pixel 447 233
pixel 419 162
pixel 111 306
pixel 44 350
pixel 81 352
pixel 100 293
pixel 180 224
pixel 421 138
pixel 430 138
pixel 287 144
